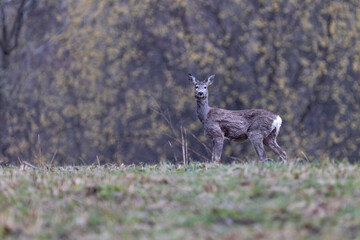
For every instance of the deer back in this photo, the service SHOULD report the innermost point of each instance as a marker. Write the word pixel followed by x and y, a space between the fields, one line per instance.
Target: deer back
pixel 236 125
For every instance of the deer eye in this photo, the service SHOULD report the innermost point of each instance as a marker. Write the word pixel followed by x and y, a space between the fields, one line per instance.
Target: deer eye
pixel 196 87
pixel 204 87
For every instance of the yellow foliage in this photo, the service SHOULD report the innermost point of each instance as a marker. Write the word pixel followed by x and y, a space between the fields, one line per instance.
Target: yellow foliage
pixel 93 79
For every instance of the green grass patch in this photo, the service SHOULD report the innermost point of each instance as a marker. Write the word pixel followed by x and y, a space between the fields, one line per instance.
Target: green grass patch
pixel 199 201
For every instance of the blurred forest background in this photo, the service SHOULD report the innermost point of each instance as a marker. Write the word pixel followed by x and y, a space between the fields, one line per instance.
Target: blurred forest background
pixel 88 80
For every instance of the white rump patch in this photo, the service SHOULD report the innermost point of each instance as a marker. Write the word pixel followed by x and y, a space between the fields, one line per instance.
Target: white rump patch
pixel 276 124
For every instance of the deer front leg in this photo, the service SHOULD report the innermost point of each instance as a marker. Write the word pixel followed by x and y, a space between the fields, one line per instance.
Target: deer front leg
pixel 217 149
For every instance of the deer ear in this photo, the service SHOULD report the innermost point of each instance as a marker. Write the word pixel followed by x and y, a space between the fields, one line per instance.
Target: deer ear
pixel 210 80
pixel 192 78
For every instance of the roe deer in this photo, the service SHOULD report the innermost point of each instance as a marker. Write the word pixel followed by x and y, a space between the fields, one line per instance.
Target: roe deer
pixel 260 126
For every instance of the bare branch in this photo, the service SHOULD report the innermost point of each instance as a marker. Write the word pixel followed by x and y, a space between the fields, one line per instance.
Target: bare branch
pixel 30 165
pixel 17 25
pixel 4 27
pixel 53 158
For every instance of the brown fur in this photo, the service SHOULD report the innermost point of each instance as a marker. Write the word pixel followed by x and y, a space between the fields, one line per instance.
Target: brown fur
pixel 257 125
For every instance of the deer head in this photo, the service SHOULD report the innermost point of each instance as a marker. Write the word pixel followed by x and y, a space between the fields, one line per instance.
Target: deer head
pixel 201 91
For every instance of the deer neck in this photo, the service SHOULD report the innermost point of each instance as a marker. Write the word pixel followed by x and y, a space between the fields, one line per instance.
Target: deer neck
pixel 202 109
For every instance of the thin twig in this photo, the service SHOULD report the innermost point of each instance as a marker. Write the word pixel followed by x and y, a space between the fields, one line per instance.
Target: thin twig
pixel 305 156
pixel 98 160
pixel 183 145
pixel 53 158
pixel 174 135
pixel 186 149
pixel 30 165
pixel 203 144
pixel 82 160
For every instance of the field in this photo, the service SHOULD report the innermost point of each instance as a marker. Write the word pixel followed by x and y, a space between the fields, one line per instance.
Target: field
pixel 198 201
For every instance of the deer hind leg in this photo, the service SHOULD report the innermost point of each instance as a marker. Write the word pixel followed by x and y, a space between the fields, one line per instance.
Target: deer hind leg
pixel 270 141
pixel 256 140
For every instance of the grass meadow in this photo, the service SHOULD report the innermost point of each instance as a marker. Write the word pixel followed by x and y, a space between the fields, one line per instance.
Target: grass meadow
pixel 196 201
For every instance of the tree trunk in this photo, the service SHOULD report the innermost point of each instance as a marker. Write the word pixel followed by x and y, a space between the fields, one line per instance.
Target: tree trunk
pixel 4 144
pixel 10 33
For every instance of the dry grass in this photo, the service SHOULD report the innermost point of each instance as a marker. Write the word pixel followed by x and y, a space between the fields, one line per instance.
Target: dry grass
pixel 199 201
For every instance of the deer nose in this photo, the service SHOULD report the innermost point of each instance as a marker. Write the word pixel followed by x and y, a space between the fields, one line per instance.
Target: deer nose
pixel 201 93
